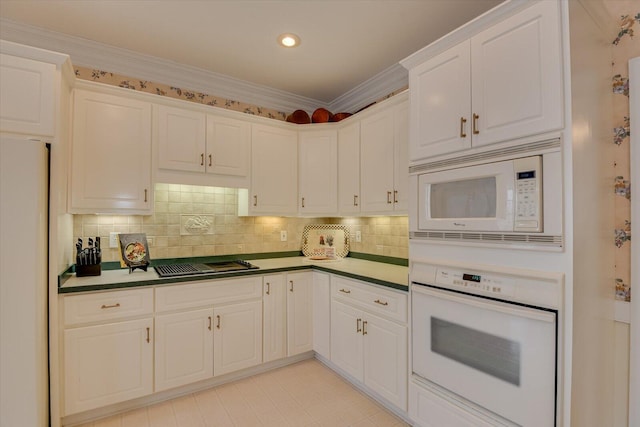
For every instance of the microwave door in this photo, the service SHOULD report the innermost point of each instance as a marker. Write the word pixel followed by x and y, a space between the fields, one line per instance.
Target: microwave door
pixel 475 198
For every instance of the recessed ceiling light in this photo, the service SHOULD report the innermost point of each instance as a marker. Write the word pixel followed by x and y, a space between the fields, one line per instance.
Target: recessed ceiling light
pixel 288 40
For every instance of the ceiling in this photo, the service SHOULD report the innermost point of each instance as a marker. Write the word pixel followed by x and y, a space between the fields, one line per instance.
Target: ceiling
pixel 344 43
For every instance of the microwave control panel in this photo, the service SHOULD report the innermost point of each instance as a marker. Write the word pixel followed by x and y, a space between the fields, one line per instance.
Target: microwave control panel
pixel 528 188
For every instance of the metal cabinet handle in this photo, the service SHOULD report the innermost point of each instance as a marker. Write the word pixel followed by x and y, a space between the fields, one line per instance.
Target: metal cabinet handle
pixel 145 195
pixel 218 319
pixel 201 159
pixel 303 202
pixel 210 322
pixel 364 328
pixel 463 121
pixel 268 288
pixel 346 291
pixel 381 302
pixel 110 306
pixel 355 200
pixel 210 160
pixel 389 197
pixel 395 196
pixel 291 283
pixel 255 200
pixel 148 335
pixel 475 124
pixel 358 328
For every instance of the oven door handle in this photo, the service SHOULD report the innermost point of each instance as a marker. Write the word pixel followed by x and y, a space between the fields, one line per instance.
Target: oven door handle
pixel 486 304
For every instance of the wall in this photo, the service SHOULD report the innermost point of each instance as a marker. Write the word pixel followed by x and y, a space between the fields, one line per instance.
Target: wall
pixel 228 233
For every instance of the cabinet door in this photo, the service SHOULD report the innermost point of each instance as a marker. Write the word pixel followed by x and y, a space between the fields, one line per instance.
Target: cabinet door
pixel 274 324
pixel 385 359
pixel 376 162
pixel 318 172
pixel 517 76
pixel 183 348
pixel 181 139
pixel 349 169
pixel 299 313
pixel 106 364
pixel 237 338
pixel 228 145
pixel 401 159
pixel 440 104
pixel 274 170
pixel 27 104
pixel 346 339
pixel 111 154
pixel 322 314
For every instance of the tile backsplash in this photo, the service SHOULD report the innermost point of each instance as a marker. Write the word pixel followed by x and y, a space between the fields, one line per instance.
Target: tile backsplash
pixel 190 221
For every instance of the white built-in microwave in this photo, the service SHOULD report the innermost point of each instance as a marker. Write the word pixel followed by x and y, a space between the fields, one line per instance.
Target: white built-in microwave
pixel 508 196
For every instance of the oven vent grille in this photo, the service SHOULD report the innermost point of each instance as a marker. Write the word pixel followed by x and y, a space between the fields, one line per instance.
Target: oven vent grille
pixel 491 155
pixel 498 238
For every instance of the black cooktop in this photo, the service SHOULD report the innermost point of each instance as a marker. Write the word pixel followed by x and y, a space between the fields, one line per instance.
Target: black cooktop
pixel 188 269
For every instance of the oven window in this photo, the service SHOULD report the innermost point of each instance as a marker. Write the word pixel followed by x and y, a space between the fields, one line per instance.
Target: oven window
pixel 472 198
pixel 493 355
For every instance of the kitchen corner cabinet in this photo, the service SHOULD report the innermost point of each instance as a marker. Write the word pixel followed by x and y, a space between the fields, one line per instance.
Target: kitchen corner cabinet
pixel 384 168
pixel 371 348
pixel 192 141
pixel 349 169
pixel 274 323
pixel 274 171
pixel 111 154
pixel 502 84
pixel 318 172
pixel 299 312
pixel 322 314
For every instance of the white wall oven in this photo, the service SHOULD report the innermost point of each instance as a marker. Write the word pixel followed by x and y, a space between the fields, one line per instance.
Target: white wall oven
pixel 490 198
pixel 484 342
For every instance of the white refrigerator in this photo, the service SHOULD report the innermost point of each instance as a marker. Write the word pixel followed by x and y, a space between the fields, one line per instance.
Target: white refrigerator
pixel 24 375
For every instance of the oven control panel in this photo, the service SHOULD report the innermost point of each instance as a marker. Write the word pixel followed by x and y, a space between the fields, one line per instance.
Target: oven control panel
pixel 474 283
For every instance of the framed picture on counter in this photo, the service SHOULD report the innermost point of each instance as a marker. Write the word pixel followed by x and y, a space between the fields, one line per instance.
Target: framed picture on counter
pixel 134 251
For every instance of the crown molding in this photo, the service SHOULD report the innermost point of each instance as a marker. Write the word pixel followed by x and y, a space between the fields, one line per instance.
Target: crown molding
pixel 90 54
pixel 372 90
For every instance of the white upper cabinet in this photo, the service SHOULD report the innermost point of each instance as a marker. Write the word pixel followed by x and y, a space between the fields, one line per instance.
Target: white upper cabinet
pixel 27 104
pixel 318 172
pixel 181 139
pixel 349 169
pixel 111 154
pixel 383 161
pixel 228 146
pixel 502 84
pixel 274 171
pixel 192 141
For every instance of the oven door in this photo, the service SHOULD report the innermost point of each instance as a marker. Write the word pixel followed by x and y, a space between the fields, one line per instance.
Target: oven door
pixel 498 355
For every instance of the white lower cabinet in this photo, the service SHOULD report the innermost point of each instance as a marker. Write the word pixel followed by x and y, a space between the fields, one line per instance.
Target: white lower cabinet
pixel 368 347
pixel 322 314
pixel 274 317
pixel 237 337
pixel 107 364
pixel 299 312
pixel 183 348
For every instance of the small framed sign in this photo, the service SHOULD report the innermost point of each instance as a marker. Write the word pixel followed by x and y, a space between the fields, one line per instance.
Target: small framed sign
pixel 134 251
pixel 325 241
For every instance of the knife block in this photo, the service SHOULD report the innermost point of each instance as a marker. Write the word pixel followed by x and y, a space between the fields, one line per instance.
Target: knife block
pixel 88 270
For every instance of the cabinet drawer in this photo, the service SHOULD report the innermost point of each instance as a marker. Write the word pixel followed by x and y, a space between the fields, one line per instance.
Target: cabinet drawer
pixel 107 306
pixel 388 303
pixel 210 292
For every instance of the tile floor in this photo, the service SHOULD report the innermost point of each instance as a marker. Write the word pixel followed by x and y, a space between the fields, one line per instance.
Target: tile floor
pixel 306 393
